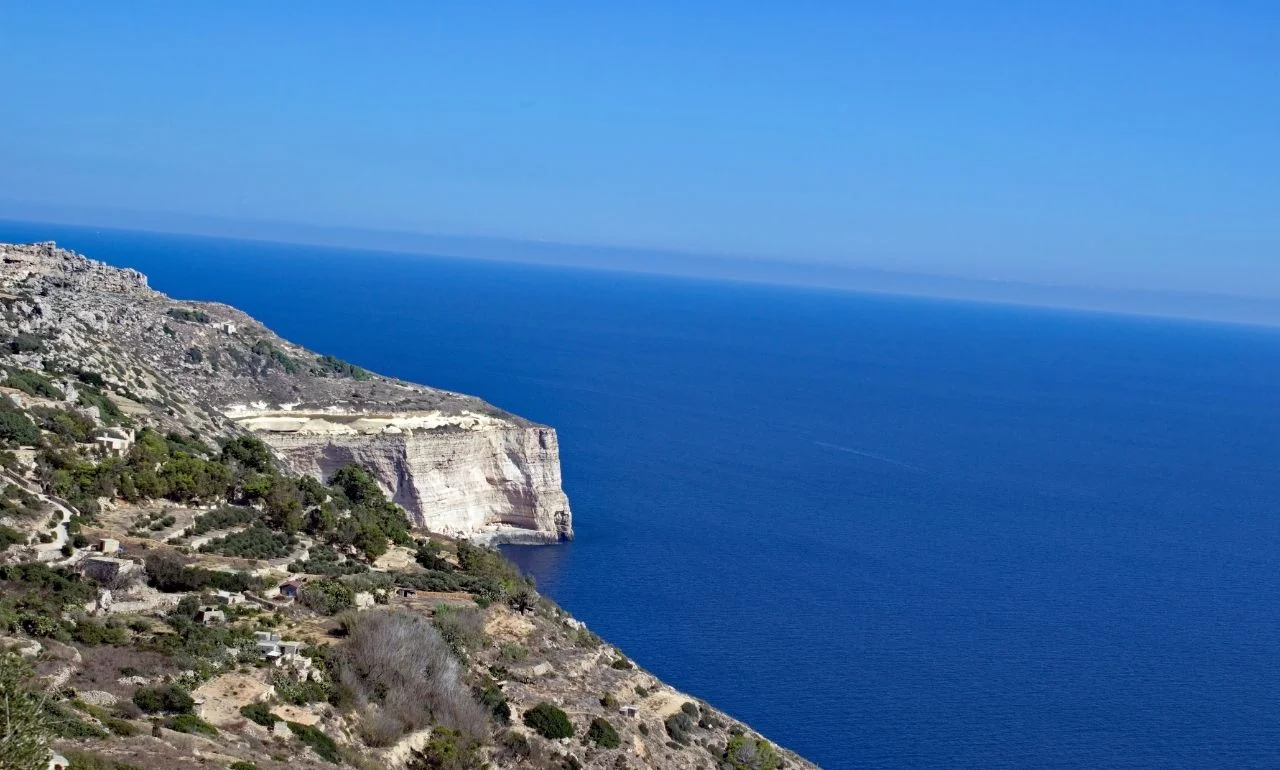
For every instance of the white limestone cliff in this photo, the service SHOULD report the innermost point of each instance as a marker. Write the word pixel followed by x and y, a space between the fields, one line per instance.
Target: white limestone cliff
pixel 467 475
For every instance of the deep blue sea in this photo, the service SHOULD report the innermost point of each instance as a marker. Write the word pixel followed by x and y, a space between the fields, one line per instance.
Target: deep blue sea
pixel 886 532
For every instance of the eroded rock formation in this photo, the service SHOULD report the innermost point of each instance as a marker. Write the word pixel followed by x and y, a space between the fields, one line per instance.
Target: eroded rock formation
pixel 457 464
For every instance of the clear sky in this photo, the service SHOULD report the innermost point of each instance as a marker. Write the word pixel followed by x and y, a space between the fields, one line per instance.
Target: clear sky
pixel 1115 144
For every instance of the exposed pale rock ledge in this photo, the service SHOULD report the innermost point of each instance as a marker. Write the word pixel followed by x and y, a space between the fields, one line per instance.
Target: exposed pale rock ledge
pixel 466 474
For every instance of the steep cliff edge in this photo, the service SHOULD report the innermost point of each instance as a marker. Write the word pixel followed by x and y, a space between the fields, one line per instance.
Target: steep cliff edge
pixel 466 475
pixel 458 465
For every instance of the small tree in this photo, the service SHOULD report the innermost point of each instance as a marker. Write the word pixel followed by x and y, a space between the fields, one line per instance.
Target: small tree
pixel 548 721
pixel 603 734
pixel 163 698
pixel 25 727
pixel 743 753
pixel 523 599
pixel 328 597
pixel 448 750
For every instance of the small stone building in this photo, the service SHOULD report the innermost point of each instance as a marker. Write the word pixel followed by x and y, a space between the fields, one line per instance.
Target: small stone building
pixel 229 598
pixel 115 441
pixel 208 615
pixel 106 569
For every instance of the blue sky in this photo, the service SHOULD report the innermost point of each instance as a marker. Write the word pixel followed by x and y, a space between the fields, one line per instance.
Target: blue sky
pixel 1118 145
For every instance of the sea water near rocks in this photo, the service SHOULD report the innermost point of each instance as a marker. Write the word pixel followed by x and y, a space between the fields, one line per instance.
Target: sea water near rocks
pixel 886 532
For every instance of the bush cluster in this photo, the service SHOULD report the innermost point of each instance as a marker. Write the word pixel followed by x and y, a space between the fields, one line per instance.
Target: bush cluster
pixel 680 727
pixel 32 383
pixel 328 597
pixel 449 750
pixel 340 368
pixel 34 598
pixel 190 723
pixel 16 429
pixel 313 737
pixel 190 315
pixel 25 343
pixel 258 712
pixel 324 559
pixel 170 572
pixel 603 734
pixel 222 518
pixel 743 753
pixel 256 542
pixel 548 721
pixel 400 673
pixel 164 698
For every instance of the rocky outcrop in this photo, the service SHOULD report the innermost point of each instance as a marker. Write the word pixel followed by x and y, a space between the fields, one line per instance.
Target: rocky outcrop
pixel 499 483
pixel 458 465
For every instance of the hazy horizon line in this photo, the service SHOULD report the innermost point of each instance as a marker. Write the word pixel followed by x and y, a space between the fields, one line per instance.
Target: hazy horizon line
pixel 1158 303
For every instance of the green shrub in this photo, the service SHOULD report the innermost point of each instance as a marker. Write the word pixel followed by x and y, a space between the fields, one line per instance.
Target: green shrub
pixel 67 723
pixel 290 690
pixel 26 343
pixel 336 366
pixel 548 721
pixel 190 723
pixel 119 726
pixel 743 753
pixel 679 727
pixel 493 698
pixel 93 634
pixel 190 315
pixel 24 723
pixel 243 766
pixel 168 572
pixel 256 542
pixel 448 750
pixel 16 429
pixel 323 744
pixel 328 597
pixel 248 452
pixel 84 760
pixel 165 698
pixel 222 518
pixel 622 664
pixel 323 559
pixel 258 712
pixel 107 409
pixel 462 628
pixel 72 426
pixel 10 536
pixel 603 734
pixel 33 383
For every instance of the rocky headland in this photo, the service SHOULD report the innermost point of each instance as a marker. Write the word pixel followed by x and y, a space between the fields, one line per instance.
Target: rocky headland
pixel 219 549
pixel 457 464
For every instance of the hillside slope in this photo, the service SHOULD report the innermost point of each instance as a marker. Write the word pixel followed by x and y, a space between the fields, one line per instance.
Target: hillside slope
pixel 457 464
pixel 175 593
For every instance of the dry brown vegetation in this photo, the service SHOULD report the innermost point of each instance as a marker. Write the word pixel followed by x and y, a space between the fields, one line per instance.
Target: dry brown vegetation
pixel 399 672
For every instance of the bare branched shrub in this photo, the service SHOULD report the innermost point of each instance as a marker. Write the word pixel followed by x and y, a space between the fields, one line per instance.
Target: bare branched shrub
pixel 401 675
pixel 461 627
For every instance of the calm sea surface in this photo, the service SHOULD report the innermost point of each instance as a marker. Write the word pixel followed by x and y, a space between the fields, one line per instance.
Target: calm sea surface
pixel 886 532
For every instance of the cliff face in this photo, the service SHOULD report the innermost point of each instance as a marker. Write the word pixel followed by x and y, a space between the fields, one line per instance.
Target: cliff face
pixel 457 464
pixel 500 483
